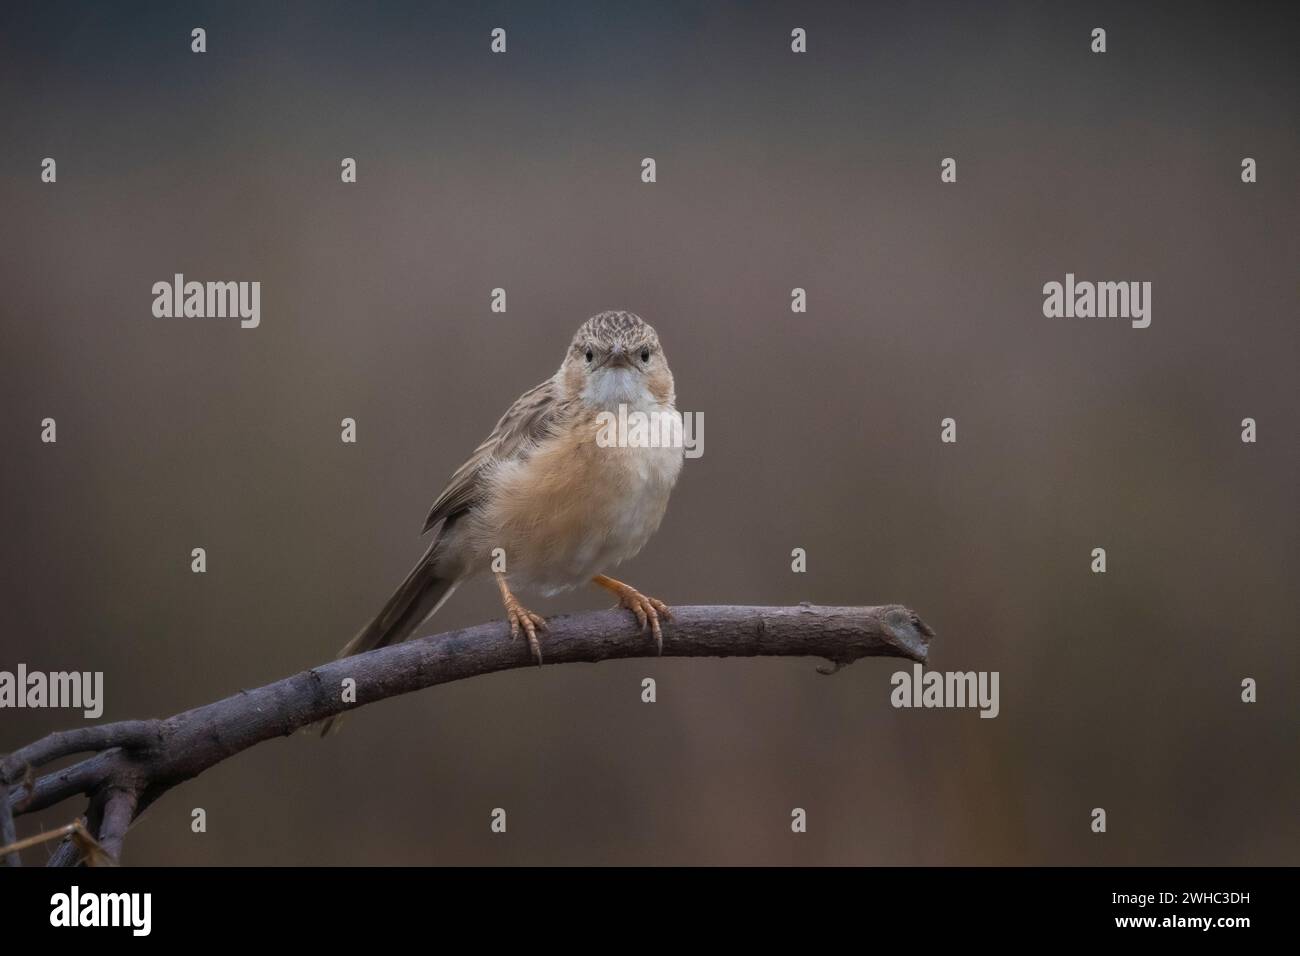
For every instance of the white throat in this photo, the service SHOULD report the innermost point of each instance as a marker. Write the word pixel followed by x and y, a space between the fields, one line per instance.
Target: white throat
pixel 612 387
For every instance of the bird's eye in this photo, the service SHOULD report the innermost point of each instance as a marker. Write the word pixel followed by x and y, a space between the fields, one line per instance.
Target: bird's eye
pixel 588 355
pixel 645 355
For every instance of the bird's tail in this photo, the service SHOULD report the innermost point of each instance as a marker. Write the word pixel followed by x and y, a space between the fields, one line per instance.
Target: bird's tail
pixel 415 600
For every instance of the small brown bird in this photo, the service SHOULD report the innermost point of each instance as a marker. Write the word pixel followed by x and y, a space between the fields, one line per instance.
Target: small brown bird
pixel 559 503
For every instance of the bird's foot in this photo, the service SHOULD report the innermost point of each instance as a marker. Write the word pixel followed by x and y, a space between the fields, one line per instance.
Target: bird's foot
pixel 648 610
pixel 522 619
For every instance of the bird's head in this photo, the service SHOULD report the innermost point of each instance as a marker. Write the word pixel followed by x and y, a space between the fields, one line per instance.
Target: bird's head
pixel 615 358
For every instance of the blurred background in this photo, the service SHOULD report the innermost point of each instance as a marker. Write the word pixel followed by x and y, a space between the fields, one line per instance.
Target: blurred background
pixel 775 170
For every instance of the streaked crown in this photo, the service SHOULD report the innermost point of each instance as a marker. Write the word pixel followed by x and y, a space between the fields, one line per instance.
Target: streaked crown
pixel 609 330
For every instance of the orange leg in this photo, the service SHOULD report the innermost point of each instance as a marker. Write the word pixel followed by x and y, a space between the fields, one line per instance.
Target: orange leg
pixel 521 618
pixel 647 609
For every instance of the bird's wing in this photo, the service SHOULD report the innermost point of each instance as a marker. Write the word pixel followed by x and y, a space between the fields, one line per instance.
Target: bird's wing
pixel 530 419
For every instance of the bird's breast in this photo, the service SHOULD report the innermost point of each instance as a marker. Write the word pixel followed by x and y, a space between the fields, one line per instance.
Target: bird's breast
pixel 578 504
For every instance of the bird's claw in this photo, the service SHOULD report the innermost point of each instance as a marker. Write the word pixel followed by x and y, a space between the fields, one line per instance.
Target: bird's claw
pixel 521 618
pixel 648 610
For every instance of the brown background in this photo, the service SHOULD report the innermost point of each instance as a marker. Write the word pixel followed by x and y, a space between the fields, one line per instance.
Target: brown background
pixel 822 430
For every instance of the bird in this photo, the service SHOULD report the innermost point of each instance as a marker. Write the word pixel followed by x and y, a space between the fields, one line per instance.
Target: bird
pixel 548 501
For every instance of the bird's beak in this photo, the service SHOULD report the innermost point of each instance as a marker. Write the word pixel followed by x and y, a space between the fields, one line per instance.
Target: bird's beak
pixel 618 358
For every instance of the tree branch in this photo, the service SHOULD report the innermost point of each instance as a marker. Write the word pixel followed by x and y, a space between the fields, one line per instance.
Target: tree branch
pixel 119 811
pixel 136 761
pixel 126 733
pixel 7 833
